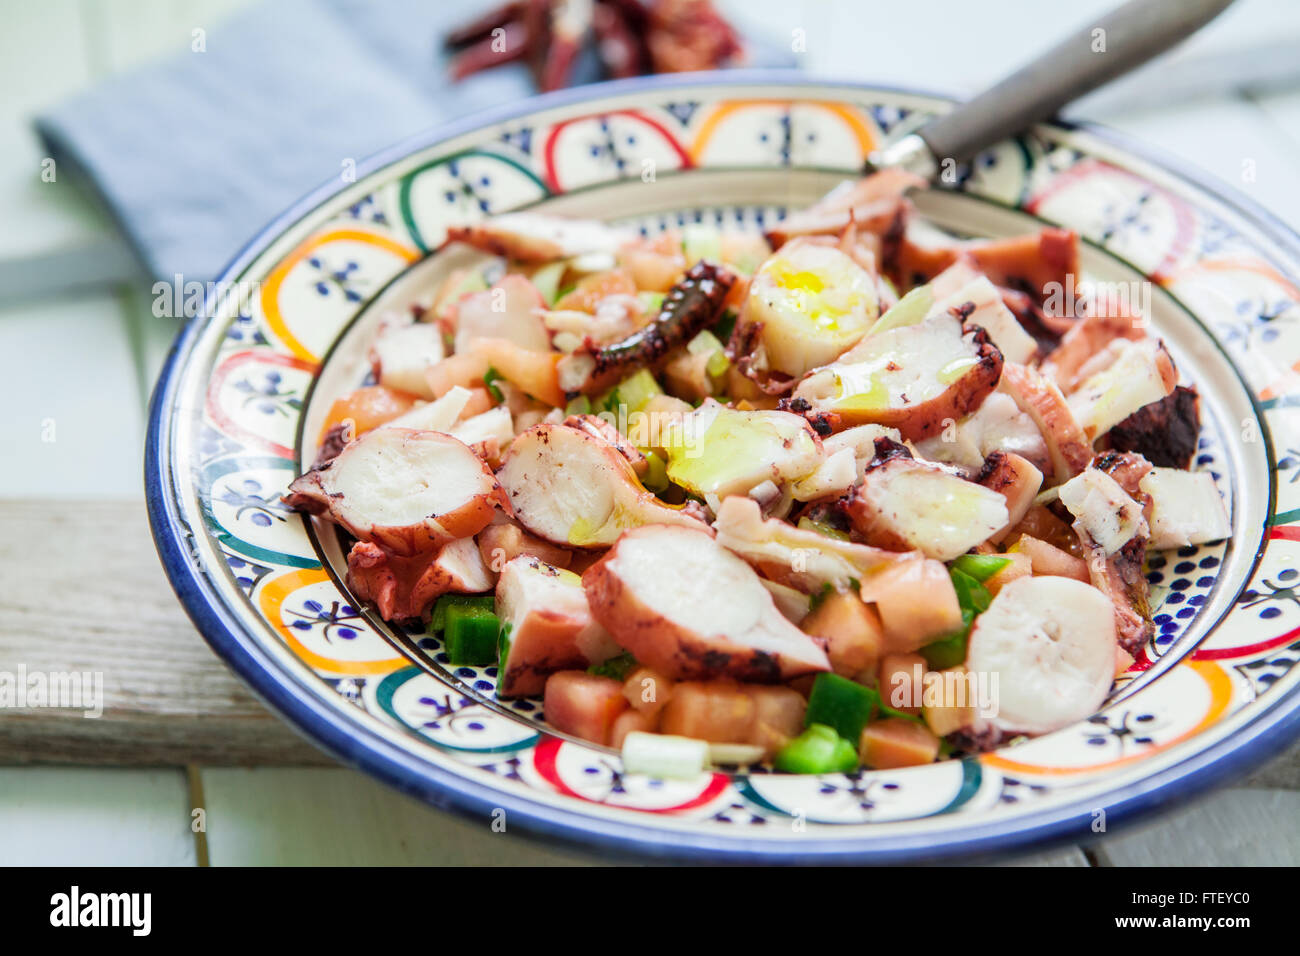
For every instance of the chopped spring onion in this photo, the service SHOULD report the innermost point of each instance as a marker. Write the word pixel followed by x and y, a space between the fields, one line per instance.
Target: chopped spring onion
pixel 578 406
pixel 734 755
pixel 633 392
pixel 706 343
pixel 663 755
pixel 656 475
pixel 909 310
pixel 1048 496
pixel 547 281
pixel 701 242
pixel 819 749
pixel 651 302
pixel 821 527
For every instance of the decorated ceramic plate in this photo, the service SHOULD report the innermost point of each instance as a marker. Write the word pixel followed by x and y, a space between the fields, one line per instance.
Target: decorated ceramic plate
pixel 249 383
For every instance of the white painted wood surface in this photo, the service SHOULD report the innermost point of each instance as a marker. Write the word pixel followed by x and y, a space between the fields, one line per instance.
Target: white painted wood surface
pixel 88 361
pixel 70 816
pixel 166 699
pixel 335 817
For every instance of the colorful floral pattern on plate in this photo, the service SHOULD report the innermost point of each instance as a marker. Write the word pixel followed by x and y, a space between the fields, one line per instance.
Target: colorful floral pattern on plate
pixel 231 429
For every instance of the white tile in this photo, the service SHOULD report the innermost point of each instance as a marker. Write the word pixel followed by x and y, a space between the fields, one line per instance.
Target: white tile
pixel 1229 828
pixel 307 817
pixel 70 816
pixel 74 418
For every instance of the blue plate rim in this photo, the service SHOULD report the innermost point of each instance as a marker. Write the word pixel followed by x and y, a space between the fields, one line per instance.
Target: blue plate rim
pixel 1267 732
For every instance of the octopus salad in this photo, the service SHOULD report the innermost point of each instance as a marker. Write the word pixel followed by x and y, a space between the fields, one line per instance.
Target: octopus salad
pixel 848 493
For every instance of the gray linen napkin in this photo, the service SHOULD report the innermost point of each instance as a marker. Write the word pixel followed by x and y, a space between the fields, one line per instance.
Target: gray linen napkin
pixel 194 154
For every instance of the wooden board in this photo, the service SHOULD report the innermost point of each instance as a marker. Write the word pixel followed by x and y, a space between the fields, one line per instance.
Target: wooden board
pixel 84 591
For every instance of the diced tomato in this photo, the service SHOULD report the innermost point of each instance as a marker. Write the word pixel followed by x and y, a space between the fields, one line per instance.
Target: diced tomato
pixel 1031 261
pixel 1046 559
pixel 1045 526
pixel 499 544
pixel 647 690
pixel 655 264
pixel 916 603
pixel 717 711
pixel 899 683
pixel 897 742
pixel 534 372
pixel 583 705
pixel 586 295
pixel 953 710
pixel 465 369
pixel 1019 567
pixel 778 716
pixel 852 631
pixel 368 407
pixel 724 712
pixel 480 401
pixel 627 722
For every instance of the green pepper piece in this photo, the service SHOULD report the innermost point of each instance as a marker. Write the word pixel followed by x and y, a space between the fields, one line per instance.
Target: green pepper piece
pixel 503 649
pixel 546 280
pixel 470 635
pixel 974 599
pixel 725 325
pixel 819 749
pixel 842 704
pixel 981 567
pixel 946 652
pixel 971 595
pixel 438 619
